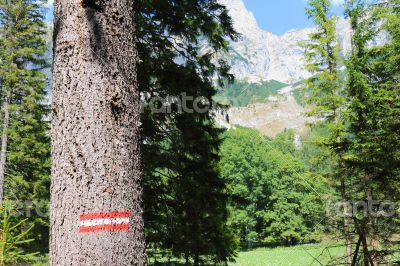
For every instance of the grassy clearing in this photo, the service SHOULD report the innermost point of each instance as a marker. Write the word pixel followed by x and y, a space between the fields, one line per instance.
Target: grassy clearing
pixel 290 256
pixel 282 256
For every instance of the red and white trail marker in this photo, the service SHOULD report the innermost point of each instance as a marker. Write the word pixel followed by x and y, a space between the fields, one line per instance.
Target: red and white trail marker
pixel 104 221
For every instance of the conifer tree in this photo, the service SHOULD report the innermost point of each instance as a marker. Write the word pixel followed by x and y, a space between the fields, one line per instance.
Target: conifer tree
pixel 324 92
pixel 185 198
pixel 373 118
pixel 25 149
pixel 358 91
pixel 22 58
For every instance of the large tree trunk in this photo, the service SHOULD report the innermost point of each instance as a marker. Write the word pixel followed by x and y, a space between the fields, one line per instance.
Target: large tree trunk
pixel 96 214
pixel 4 141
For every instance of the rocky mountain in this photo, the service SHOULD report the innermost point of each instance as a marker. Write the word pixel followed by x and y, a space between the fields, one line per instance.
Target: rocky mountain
pixel 260 55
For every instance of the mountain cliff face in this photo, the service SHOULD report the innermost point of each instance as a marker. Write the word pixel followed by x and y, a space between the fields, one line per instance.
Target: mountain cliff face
pixel 260 55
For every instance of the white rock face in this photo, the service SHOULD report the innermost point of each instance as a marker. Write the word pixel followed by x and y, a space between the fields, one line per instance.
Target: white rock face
pixel 250 55
pixel 287 57
pixel 260 55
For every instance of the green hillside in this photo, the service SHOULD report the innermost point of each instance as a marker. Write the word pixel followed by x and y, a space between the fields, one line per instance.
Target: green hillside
pixel 243 94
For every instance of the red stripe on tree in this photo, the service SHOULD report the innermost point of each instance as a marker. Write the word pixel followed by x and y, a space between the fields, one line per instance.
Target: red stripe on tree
pixel 102 228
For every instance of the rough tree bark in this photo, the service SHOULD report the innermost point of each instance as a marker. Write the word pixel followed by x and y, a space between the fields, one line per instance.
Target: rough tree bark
pixel 95 136
pixel 4 141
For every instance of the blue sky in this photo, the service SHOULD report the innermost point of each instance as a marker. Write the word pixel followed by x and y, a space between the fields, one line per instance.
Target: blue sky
pixel 276 16
pixel 279 16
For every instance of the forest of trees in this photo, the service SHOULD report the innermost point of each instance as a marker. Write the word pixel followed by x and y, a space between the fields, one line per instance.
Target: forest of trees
pixel 93 145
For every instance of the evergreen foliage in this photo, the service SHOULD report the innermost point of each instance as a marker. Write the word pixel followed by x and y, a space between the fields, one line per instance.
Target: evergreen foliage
pixel 13 235
pixel 185 198
pixel 372 114
pixel 324 92
pixel 207 191
pixel 22 50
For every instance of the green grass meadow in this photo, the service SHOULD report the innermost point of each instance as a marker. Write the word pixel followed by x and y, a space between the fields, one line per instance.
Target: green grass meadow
pixel 290 256
pixel 306 255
